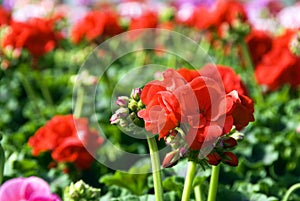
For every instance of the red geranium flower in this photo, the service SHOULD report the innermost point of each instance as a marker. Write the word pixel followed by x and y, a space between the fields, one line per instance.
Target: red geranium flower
pixel 187 97
pixel 67 142
pixel 5 16
pixel 279 66
pixel 37 36
pixel 95 24
pixel 259 43
pixel 224 11
pixel 148 19
pixel 231 80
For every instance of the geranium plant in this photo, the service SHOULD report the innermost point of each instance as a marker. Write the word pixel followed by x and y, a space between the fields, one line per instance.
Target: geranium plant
pixel 194 114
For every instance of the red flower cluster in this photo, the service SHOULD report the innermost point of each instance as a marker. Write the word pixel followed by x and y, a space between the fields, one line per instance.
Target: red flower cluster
pixel 37 35
pixel 223 11
pixel 148 19
pixel 259 43
pixel 278 65
pixel 5 16
pixel 96 24
pixel 185 97
pixel 66 141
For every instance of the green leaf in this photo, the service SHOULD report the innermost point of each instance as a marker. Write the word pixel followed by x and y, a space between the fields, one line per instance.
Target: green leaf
pixel 134 182
pixel 262 197
pixel 174 183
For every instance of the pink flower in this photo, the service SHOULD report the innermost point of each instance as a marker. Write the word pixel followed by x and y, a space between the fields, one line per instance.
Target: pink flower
pixel 27 189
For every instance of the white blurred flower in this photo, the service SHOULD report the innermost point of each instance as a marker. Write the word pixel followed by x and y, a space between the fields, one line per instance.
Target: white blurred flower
pixel 72 13
pixel 185 12
pixel 24 9
pixel 289 17
pixel 131 9
pixel 260 16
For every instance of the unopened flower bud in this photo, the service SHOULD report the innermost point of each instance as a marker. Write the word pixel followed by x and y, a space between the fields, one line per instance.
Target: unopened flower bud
pixel 140 105
pixel 228 142
pixel 171 159
pixel 213 158
pixel 121 113
pixel 81 191
pixel 230 159
pixel 114 119
pixel 133 105
pixel 122 101
pixel 136 93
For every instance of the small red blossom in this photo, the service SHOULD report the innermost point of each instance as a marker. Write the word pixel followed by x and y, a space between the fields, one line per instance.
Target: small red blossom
pixel 37 35
pixel 259 43
pixel 66 141
pixel 224 11
pixel 5 16
pixel 96 24
pixel 148 19
pixel 279 66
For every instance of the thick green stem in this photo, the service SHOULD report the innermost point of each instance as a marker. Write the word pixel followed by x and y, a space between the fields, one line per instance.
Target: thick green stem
pixel 79 102
pixel 155 163
pixel 213 186
pixel 198 193
pixel 290 191
pixel 188 184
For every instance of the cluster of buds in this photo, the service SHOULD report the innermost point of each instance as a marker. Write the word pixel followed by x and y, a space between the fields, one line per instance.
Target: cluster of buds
pixel 81 191
pixel 221 151
pixel 126 116
pixel 236 32
pixel 179 147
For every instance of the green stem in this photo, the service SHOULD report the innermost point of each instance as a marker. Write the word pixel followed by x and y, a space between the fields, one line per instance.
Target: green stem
pixel 188 184
pixel 250 72
pixel 290 191
pixel 213 186
pixel 45 91
pixel 198 193
pixel 79 102
pixel 30 92
pixel 155 163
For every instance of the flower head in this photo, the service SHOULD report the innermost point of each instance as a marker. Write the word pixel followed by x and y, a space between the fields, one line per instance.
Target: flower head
pixel 67 142
pixel 27 189
pixel 37 36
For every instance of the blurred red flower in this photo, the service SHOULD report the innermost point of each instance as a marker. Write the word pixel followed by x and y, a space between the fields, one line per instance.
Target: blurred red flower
pixel 37 35
pixel 5 16
pixel 259 43
pixel 95 24
pixel 279 66
pixel 148 19
pixel 67 142
pixel 223 11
